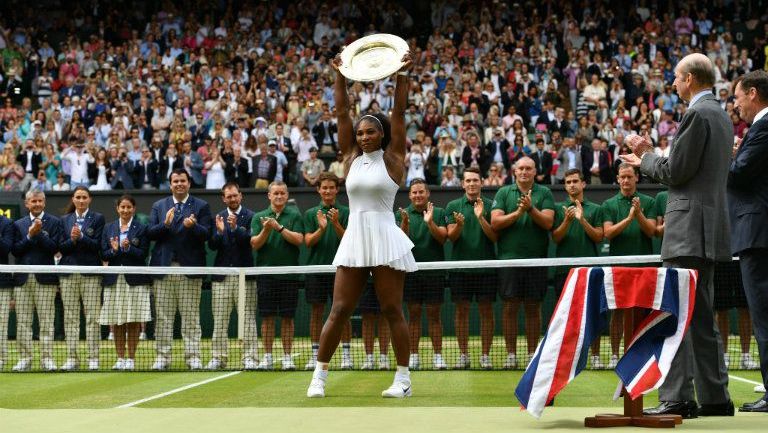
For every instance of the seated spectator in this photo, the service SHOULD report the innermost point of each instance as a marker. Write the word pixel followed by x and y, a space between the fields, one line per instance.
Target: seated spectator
pixel 449 177
pixel 312 168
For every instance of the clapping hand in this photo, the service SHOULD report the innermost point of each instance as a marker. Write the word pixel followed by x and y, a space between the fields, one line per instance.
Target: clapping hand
pixel 524 203
pixel 126 244
pixel 578 211
pixel 169 216
pixel 35 228
pixel 322 220
pixel 232 221
pixel 570 213
pixel 333 215
pixel 114 243
pixel 219 224
pixel 459 218
pixel 190 221
pixel 75 234
pixel 429 213
pixel 478 207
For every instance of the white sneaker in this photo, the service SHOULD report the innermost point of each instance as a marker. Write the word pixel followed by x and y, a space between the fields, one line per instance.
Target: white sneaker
pixel 266 362
pixel 347 363
pixel 747 363
pixel 511 362
pixel 143 336
pixel 368 364
pixel 288 363
pixel 383 362
pixel 250 364
pixel 119 365
pixel 596 363
pixel 111 336
pixel 161 364
pixel 485 362
pixel 462 363
pixel 316 388
pixel 613 362
pixel 311 363
pixel 400 388
pixel 438 362
pixel 194 363
pixel 129 365
pixel 214 364
pixel 760 389
pixel 47 364
pixel 22 365
pixel 93 364
pixel 70 365
pixel 727 359
pixel 413 361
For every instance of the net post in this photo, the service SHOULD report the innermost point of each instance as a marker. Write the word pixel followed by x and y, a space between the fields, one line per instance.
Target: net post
pixel 240 303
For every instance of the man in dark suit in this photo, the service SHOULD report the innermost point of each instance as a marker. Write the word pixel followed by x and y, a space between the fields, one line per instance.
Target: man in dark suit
pixel 36 239
pixel 695 235
pixel 599 170
pixel 179 225
pixel 145 171
pixel 543 160
pixel 748 208
pixel 29 159
pixel 324 132
pixel 231 239
pixel 6 286
pixel 169 162
pixel 236 169
pixel 122 167
pixel 497 147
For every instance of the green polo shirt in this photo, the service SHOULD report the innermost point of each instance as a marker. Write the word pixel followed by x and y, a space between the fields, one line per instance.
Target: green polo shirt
pixel 660 203
pixel 472 243
pixel 524 239
pixel 276 251
pixel 576 243
pixel 425 247
pixel 323 252
pixel 631 241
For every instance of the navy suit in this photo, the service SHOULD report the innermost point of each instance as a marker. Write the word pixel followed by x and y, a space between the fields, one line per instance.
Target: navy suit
pixel 6 245
pixel 233 248
pixel 40 249
pixel 177 243
pixel 135 255
pixel 150 170
pixel 748 209
pixel 84 252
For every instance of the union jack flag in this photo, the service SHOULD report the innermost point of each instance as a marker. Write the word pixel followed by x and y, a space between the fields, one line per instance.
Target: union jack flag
pixel 582 313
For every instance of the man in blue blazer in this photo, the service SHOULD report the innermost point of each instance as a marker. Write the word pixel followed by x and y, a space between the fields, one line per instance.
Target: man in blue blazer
pixel 179 225
pixel 81 246
pixel 36 239
pixel 231 239
pixel 6 286
pixel 748 208
pixel 193 163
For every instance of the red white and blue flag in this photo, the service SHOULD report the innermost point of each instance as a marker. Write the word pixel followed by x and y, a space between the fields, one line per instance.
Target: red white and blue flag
pixel 581 315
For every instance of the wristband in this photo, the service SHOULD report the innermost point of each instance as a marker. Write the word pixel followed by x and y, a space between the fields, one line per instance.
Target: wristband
pixel 280 230
pixel 403 73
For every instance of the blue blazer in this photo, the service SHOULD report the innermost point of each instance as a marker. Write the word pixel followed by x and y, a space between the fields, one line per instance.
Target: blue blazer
pixel 177 243
pixel 38 250
pixel 6 245
pixel 85 252
pixel 233 248
pixel 748 190
pixel 136 255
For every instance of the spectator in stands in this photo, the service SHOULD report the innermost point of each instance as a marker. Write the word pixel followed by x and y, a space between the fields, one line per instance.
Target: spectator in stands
pixel 449 177
pixel 277 232
pixel 6 286
pixel 543 161
pixel 425 225
pixel 36 240
pixel 522 215
pixel 146 171
pixel 577 232
pixel 337 167
pixel 325 132
pixel 231 239
pixel 193 164
pixel 121 168
pixel 415 161
pixel 179 225
pixel 312 168
pixel 473 238
pixel 81 246
pixel 280 158
pixel 600 170
pixel 324 226
pixel 41 182
pixel 629 224
pixel 568 158
pixel 125 242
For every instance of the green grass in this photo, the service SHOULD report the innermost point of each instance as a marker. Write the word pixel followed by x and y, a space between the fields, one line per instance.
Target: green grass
pixel 277 389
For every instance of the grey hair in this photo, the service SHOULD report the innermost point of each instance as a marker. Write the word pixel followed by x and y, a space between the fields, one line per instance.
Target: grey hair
pixel 34 192
pixel 701 67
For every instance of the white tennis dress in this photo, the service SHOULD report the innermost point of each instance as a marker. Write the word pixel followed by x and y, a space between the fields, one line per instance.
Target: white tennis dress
pixel 372 237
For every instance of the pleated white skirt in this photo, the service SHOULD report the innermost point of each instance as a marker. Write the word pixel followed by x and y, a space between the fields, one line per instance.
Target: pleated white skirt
pixel 374 239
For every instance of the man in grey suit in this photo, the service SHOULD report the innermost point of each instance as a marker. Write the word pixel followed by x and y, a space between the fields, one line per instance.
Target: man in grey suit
pixel 696 235
pixel 748 206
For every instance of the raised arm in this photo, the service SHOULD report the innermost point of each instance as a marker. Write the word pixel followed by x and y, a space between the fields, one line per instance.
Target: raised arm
pixel 397 119
pixel 346 135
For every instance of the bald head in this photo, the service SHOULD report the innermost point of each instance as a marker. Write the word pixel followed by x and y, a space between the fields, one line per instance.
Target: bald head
pixel 701 69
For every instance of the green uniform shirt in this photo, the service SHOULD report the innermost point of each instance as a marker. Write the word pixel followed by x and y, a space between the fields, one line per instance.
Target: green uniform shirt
pixel 472 243
pixel 524 239
pixel 426 248
pixel 576 243
pixel 276 251
pixel 631 241
pixel 323 252
pixel 660 203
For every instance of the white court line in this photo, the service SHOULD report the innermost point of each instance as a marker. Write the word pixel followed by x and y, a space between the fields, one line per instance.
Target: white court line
pixel 174 391
pixel 741 379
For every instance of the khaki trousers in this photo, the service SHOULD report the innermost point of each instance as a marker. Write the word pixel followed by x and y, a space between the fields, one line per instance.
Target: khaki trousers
pixel 174 292
pixel 88 288
pixel 225 296
pixel 30 297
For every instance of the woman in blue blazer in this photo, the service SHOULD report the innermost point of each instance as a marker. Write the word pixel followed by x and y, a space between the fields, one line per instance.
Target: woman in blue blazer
pixel 126 297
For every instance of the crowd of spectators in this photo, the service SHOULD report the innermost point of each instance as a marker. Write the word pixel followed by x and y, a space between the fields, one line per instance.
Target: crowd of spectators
pixel 116 98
